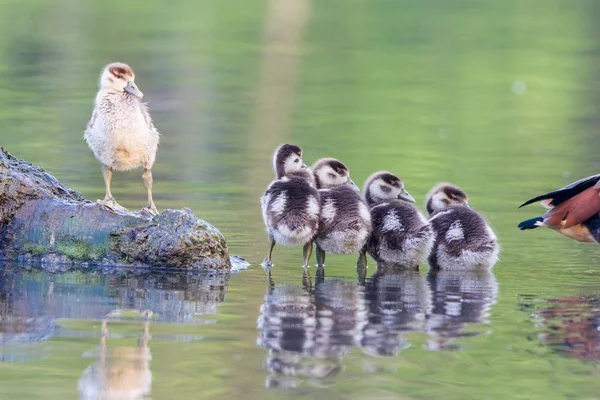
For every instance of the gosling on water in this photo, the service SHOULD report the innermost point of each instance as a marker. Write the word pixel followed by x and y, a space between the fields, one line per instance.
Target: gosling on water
pixel 121 133
pixel 402 236
pixel 345 221
pixel 463 238
pixel 290 205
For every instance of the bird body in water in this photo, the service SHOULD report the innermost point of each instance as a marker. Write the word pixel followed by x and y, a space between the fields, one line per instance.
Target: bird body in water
pixel 121 133
pixel 345 221
pixel 463 238
pixel 290 205
pixel 402 236
pixel 573 211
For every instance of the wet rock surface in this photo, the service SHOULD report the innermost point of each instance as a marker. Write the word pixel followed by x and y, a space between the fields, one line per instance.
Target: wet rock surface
pixel 43 221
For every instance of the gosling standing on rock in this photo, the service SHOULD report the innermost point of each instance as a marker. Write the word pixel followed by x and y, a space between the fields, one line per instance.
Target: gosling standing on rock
pixel 345 222
pixel 401 235
pixel 290 206
pixel 463 238
pixel 121 133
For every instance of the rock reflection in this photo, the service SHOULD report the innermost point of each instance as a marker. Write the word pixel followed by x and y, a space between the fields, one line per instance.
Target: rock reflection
pixel 459 298
pixel 399 302
pixel 31 302
pixel 573 326
pixel 175 298
pixel 308 330
pixel 121 372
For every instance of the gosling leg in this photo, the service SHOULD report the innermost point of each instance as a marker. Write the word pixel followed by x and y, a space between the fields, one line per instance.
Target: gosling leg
pixel 267 263
pixel 361 265
pixel 320 257
pixel 109 200
pixel 307 252
pixel 147 179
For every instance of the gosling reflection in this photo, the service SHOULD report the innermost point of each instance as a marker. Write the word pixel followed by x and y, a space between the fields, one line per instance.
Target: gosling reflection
pixel 459 298
pixel 573 326
pixel 121 372
pixel 399 301
pixel 308 329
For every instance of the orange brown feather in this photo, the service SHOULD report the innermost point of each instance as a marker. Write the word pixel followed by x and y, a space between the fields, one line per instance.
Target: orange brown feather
pixel 575 210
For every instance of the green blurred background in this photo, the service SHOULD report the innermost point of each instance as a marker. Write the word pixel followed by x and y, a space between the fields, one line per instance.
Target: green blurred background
pixel 499 97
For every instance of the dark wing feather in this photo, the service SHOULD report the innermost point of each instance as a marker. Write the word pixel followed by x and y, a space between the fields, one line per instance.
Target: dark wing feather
pixel 565 193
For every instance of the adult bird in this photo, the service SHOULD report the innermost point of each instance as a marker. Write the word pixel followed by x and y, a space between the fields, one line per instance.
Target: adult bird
pixel 121 133
pixel 572 210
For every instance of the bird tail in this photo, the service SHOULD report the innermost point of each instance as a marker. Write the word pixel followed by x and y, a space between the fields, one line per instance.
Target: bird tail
pixel 531 223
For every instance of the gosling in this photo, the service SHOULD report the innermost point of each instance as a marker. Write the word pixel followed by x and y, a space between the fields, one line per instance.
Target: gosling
pixel 121 133
pixel 402 236
pixel 345 221
pixel 463 238
pixel 290 205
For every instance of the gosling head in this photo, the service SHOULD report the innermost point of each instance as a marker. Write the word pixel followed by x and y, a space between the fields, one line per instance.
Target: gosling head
pixel 445 195
pixel 287 160
pixel 385 186
pixel 119 77
pixel 330 172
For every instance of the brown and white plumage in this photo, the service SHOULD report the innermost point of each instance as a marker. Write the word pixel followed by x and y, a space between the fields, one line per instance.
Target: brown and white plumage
pixel 401 235
pixel 290 205
pixel 463 238
pixel 345 221
pixel 572 210
pixel 121 133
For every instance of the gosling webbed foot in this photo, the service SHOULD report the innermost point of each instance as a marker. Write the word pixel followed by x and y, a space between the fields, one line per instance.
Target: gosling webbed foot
pixel 267 264
pixel 111 203
pixel 150 210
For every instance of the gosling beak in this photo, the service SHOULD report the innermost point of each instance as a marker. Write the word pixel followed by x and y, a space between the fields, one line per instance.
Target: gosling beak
pixel 404 195
pixel 132 89
pixel 304 165
pixel 353 185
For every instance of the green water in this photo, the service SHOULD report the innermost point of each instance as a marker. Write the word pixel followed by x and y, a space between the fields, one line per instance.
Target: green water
pixel 499 97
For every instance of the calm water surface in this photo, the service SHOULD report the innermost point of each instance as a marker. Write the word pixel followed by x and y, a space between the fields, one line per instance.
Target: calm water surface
pixel 498 97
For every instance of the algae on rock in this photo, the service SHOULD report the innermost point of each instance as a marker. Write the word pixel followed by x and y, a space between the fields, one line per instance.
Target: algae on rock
pixel 41 219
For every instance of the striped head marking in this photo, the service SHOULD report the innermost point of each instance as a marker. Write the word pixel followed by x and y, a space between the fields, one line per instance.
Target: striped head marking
pixel 445 195
pixel 121 78
pixel 330 172
pixel 287 159
pixel 384 186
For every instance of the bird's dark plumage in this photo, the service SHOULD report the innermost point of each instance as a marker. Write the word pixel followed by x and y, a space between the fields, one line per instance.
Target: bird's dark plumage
pixel 531 223
pixel 567 192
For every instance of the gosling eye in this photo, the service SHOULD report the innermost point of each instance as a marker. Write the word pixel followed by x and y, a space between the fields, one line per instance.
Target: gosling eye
pixel 297 160
pixel 332 176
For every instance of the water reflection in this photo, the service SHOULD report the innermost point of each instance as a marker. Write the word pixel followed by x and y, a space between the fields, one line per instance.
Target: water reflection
pixel 120 372
pixel 398 302
pixel 32 301
pixel 459 298
pixel 308 329
pixel 573 326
